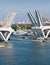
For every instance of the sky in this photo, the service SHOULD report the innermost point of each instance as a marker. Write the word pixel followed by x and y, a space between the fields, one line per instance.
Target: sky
pixel 21 7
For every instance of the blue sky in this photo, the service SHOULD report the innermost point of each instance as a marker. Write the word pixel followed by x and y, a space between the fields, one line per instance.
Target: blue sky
pixel 21 7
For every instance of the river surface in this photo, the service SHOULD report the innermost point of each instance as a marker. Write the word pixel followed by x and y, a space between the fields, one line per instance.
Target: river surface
pixel 25 52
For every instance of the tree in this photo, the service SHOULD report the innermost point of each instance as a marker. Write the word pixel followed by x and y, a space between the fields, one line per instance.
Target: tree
pixel 14 26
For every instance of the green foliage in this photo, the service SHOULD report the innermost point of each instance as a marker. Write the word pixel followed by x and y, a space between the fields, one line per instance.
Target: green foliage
pixel 23 26
pixel 14 26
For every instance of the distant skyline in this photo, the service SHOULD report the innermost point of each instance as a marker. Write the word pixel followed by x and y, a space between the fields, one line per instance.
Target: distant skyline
pixel 21 7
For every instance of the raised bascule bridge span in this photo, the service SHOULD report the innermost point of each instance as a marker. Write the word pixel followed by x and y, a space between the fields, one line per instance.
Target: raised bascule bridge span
pixel 38 28
pixel 6 30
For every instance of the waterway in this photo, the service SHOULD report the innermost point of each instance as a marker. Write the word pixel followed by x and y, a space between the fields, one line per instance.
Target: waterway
pixel 25 52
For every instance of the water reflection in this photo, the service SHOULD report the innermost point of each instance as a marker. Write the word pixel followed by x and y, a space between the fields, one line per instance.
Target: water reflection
pixel 39 42
pixel 5 45
pixel 6 53
pixel 25 52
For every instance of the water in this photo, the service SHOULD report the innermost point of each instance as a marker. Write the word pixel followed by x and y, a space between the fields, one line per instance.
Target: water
pixel 25 52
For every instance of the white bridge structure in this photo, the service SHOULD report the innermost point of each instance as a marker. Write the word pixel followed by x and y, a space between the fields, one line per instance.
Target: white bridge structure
pixel 39 29
pixel 6 30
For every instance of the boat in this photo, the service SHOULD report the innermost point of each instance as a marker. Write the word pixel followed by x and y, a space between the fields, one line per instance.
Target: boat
pixel 1 46
pixel 30 32
pixel 20 32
